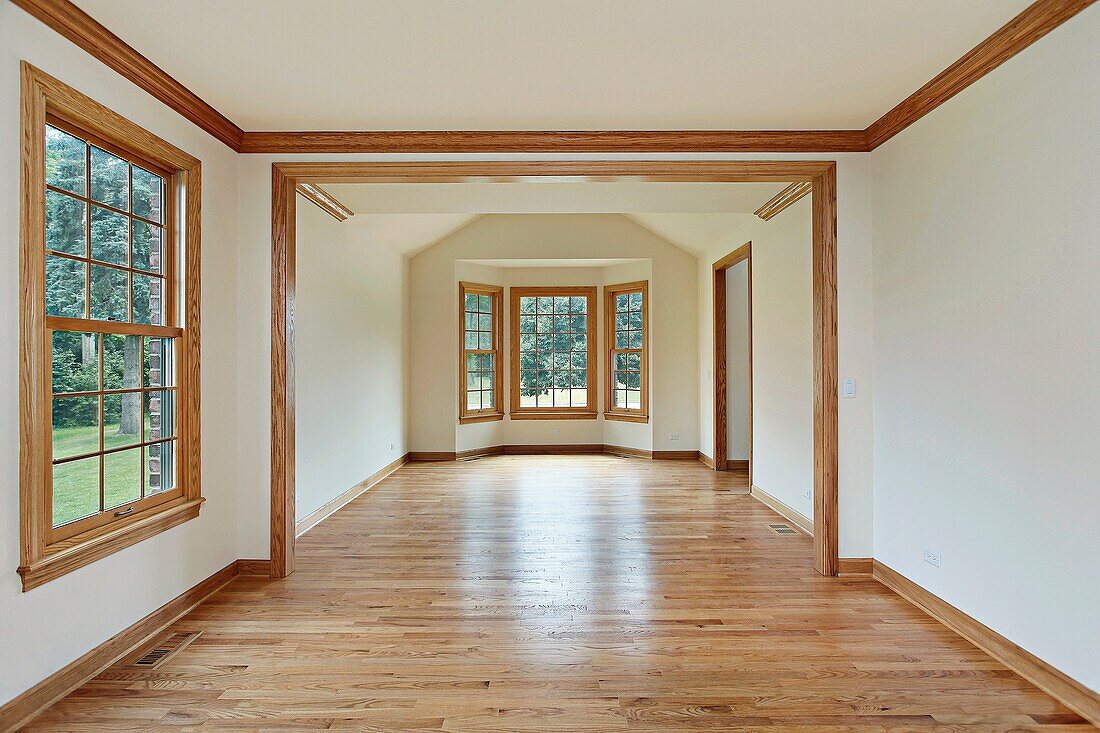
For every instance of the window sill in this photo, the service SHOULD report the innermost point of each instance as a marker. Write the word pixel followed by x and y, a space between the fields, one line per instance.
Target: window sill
pixel 545 415
pixel 73 555
pixel 626 416
pixel 488 417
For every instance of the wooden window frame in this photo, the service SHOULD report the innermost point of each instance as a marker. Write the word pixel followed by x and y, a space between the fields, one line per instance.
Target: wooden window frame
pixel 555 413
pixel 496 294
pixel 47 552
pixel 641 414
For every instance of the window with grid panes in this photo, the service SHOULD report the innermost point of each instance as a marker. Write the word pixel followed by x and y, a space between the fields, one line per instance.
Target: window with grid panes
pixel 113 394
pixel 627 318
pixel 553 351
pixel 481 344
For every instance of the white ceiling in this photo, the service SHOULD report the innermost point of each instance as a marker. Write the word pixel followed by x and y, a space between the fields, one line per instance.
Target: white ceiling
pixel 561 65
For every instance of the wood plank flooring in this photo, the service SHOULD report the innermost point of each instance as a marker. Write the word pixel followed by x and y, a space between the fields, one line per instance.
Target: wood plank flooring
pixel 560 593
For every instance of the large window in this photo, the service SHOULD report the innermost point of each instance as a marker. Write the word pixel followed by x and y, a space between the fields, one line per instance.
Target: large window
pixel 110 418
pixel 627 310
pixel 553 352
pixel 480 329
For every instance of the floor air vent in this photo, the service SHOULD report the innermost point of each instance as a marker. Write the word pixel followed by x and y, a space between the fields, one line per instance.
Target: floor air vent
pixel 165 650
pixel 783 530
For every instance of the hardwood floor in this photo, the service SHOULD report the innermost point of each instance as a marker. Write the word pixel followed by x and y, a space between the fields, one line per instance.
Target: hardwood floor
pixel 560 593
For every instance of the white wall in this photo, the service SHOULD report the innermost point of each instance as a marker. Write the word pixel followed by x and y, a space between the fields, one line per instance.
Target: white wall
pixel 48 627
pixel 433 294
pixel 350 384
pixel 987 410
pixel 738 429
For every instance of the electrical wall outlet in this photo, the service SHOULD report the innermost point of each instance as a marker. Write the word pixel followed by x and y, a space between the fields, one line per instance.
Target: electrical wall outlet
pixel 673 436
pixel 807 494
pixel 555 431
pixel 932 557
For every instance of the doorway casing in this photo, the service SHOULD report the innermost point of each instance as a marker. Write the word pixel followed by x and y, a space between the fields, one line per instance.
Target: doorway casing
pixel 721 406
pixel 285 177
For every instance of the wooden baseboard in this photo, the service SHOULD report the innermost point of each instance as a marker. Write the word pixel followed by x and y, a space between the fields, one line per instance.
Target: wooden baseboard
pixel 23 708
pixel 622 450
pixel 431 456
pixel 254 567
pixel 553 449
pixel 738 465
pixel 800 522
pixel 675 455
pixel 319 515
pixel 854 567
pixel 705 460
pixel 491 450
pixel 1055 683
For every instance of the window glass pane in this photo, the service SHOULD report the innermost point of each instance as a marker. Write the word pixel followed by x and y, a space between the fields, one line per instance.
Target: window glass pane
pixel 545 304
pixel 148 194
pixel 160 414
pixel 527 324
pixel 578 324
pixel 487 399
pixel 110 179
pixel 578 304
pixel 64 287
pixel 578 360
pixel 148 246
pixel 473 400
pixel 65 224
pixel 487 362
pixel 471 339
pixel 75 426
pixel 620 398
pixel 110 242
pixel 148 299
pixel 485 340
pixel 473 380
pixel 121 420
pixel 109 288
pixel 633 399
pixel 65 161
pixel 75 358
pixel 160 467
pixel 622 302
pixel 636 301
pixel 578 398
pixel 578 378
pixel 621 322
pixel 634 320
pixel 634 339
pixel 75 490
pixel 158 362
pixel 527 304
pixel 471 321
pixel 561 304
pixel 121 355
pixel 526 342
pixel 121 478
pixel 485 322
pixel 485 303
pixel 563 342
pixel 545 324
pixel 472 362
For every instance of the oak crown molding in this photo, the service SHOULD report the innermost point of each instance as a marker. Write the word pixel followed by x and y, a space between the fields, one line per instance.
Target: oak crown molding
pixel 324 200
pixel 1033 23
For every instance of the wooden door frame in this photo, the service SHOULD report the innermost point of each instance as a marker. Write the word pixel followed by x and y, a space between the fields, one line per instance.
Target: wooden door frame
pixel 285 177
pixel 721 406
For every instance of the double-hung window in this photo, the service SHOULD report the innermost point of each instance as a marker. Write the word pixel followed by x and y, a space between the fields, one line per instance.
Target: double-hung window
pixel 553 352
pixel 109 357
pixel 627 310
pixel 481 332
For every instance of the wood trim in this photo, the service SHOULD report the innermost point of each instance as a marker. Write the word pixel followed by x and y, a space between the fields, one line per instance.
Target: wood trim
pixel 283 304
pixel 516 412
pixel 26 706
pixel 254 567
pixel 786 511
pixel 622 450
pixel 428 456
pixel 825 440
pixel 705 459
pixel 561 449
pixel 1029 26
pixel 721 397
pixel 496 294
pixel 550 141
pixel 332 506
pixel 492 450
pixel 783 199
pixel 324 200
pixel 623 414
pixel 45 98
pixel 821 173
pixel 84 31
pixel 675 455
pixel 738 465
pixel 1047 678
pixel 1037 20
pixel 854 567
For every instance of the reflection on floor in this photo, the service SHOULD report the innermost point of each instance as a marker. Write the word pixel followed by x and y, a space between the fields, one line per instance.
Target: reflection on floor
pixel 560 593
